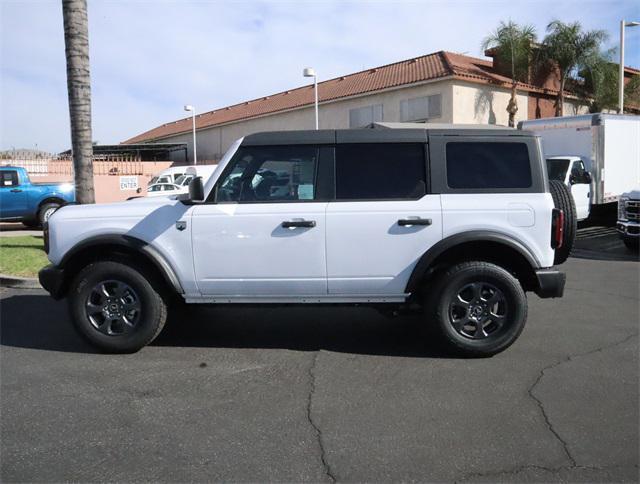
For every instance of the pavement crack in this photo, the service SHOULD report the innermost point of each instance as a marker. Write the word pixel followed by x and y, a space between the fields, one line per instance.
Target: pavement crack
pixel 540 403
pixel 313 423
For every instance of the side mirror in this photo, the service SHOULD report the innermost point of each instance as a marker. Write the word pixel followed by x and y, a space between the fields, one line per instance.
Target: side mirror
pixel 196 190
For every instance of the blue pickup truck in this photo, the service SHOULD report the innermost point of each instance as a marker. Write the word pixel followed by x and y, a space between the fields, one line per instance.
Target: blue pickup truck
pixel 27 202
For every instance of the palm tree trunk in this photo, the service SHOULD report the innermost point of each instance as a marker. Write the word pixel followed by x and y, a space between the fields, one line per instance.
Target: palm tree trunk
pixel 512 107
pixel 76 39
pixel 560 98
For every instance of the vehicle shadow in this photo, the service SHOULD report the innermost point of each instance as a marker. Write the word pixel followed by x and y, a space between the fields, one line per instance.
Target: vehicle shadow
pixel 37 322
pixel 599 242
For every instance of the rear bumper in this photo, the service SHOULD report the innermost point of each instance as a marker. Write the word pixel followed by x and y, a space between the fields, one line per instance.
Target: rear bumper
pixel 550 283
pixel 52 278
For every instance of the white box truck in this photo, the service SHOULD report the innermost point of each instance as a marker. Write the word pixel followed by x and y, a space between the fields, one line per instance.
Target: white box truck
pixel 597 155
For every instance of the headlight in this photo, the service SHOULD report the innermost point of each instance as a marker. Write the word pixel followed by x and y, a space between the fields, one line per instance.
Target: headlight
pixel 622 208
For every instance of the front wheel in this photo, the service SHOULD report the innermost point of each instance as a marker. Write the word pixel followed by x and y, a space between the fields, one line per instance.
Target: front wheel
pixel 115 307
pixel 46 211
pixel 631 243
pixel 479 308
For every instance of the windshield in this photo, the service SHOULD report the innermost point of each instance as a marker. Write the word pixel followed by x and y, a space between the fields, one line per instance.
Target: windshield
pixel 184 180
pixel 557 169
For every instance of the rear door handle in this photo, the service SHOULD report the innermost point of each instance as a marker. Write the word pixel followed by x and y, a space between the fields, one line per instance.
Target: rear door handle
pixel 291 224
pixel 15 190
pixel 406 222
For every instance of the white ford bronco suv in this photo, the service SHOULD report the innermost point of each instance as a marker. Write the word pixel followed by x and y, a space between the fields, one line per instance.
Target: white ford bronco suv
pixel 456 219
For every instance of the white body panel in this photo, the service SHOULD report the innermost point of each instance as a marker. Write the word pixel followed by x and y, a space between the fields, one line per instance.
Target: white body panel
pixel 242 249
pixel 608 144
pixel 511 214
pixel 369 253
pixel 152 220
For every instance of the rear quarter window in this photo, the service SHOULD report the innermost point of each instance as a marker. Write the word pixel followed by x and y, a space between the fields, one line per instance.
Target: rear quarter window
pixel 478 165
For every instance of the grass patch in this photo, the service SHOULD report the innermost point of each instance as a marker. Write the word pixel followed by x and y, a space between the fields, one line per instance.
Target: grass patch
pixel 22 256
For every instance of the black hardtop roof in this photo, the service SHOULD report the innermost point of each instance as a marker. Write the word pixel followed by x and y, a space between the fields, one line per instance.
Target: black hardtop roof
pixel 380 133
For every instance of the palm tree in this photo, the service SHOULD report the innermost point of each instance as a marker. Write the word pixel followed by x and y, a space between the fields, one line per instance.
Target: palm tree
pixel 600 87
pixel 512 45
pixel 567 48
pixel 76 40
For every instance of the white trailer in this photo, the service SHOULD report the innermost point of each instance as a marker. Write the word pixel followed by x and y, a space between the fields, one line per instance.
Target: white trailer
pixel 607 144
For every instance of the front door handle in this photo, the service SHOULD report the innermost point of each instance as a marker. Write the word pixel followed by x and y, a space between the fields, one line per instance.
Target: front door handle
pixel 15 190
pixel 406 222
pixel 291 224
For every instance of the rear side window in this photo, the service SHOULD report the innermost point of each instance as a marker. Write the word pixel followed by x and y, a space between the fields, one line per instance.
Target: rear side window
pixel 380 171
pixel 488 165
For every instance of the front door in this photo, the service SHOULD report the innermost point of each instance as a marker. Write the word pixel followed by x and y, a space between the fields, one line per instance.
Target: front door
pixel 13 199
pixel 262 232
pixel 382 221
pixel 580 189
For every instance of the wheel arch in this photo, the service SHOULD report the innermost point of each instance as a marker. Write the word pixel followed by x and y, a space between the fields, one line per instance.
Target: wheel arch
pixel 485 246
pixel 103 247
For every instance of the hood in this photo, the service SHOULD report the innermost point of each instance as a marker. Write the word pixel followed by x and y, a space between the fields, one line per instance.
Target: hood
pixel 131 209
pixel 633 194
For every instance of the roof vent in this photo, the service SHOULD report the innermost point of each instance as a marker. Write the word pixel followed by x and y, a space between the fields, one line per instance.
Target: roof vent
pixel 265 98
pixel 413 61
pixel 342 78
pixel 375 69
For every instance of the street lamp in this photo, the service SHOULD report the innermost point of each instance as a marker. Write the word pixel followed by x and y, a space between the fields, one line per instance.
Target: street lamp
pixel 310 72
pixel 623 24
pixel 189 107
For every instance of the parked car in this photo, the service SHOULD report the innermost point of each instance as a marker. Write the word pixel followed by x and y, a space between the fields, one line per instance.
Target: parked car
pixel 176 174
pixel 165 189
pixel 460 222
pixel 629 218
pixel 21 200
pixel 604 146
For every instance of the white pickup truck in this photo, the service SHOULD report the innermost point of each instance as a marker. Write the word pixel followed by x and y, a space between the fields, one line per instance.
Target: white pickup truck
pixel 596 155
pixel 461 221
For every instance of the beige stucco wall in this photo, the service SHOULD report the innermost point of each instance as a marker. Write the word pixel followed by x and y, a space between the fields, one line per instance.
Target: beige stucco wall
pixel 483 104
pixel 212 142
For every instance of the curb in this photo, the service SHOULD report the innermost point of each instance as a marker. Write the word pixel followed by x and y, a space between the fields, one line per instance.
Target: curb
pixel 19 282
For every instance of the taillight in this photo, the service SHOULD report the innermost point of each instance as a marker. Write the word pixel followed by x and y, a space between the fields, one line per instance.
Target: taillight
pixel 557 228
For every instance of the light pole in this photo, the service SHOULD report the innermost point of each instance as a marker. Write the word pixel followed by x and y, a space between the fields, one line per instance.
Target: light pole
pixel 623 24
pixel 310 72
pixel 189 107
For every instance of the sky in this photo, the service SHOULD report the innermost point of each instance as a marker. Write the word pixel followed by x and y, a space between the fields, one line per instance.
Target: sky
pixel 150 58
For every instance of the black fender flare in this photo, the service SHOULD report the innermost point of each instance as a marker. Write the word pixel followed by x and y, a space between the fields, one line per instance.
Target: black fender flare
pixel 131 243
pixel 428 258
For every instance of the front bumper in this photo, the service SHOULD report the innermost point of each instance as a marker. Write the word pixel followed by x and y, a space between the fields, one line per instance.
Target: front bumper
pixel 628 229
pixel 550 283
pixel 52 279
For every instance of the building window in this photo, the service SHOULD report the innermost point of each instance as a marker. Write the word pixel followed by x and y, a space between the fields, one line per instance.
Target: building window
pixel 360 117
pixel 380 171
pixel 421 108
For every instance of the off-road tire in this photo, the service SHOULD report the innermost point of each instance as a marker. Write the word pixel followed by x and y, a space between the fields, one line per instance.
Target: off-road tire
pixel 563 200
pixel 46 208
pixel 446 287
pixel 153 313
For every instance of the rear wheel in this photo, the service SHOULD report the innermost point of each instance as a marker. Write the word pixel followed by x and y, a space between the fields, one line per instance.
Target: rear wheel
pixel 563 200
pixel 479 308
pixel 46 211
pixel 116 307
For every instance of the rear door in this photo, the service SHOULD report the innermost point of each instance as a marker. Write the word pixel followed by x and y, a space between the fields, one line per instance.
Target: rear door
pixel 382 219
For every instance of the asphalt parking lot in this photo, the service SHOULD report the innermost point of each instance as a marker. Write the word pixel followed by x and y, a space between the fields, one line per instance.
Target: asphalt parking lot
pixel 346 394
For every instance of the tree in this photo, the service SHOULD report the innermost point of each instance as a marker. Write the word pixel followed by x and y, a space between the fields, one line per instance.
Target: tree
pixel 76 40
pixel 512 44
pixel 600 88
pixel 568 49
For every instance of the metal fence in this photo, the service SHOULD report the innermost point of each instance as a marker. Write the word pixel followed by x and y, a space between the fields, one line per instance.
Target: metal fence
pixel 60 166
